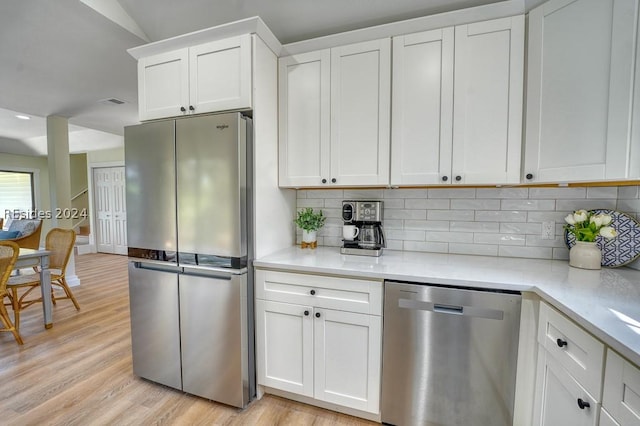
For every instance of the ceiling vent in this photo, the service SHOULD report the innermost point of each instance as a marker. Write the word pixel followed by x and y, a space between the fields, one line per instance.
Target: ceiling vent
pixel 111 101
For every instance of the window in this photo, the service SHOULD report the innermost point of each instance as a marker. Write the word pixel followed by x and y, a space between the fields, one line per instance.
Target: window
pixel 16 193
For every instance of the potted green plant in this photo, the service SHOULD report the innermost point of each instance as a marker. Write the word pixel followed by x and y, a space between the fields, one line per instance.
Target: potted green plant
pixel 310 222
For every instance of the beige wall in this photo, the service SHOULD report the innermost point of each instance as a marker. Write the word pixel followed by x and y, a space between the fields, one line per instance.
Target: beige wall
pixel 106 156
pixel 78 172
pixel 39 165
pixel 79 187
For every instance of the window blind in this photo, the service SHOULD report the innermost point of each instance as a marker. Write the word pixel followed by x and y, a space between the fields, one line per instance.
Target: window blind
pixel 16 192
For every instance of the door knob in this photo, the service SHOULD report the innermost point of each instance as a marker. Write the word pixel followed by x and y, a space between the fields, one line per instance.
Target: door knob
pixel 445 178
pixel 183 109
pixel 312 292
pixel 317 314
pixel 561 343
pixel 529 176
pixel 306 313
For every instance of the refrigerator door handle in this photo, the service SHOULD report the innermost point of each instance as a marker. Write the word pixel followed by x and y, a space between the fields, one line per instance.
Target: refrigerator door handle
pixel 212 271
pixel 155 265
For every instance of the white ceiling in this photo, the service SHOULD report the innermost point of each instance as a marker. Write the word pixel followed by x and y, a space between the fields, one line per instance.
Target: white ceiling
pixel 64 58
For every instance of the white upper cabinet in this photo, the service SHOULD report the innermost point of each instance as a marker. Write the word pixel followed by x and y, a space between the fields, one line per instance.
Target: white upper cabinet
pixel 214 76
pixel 304 115
pixel 163 85
pixel 422 114
pixel 580 91
pixel 487 112
pixel 458 123
pixel 360 108
pixel 334 116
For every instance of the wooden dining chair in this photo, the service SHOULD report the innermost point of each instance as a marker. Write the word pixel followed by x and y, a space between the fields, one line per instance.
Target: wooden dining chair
pixel 60 243
pixel 8 254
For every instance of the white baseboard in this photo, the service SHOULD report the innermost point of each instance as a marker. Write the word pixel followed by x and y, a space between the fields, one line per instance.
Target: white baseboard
pixel 73 280
pixel 83 249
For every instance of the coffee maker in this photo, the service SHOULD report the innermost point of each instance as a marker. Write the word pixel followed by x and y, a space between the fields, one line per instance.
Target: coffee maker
pixel 366 216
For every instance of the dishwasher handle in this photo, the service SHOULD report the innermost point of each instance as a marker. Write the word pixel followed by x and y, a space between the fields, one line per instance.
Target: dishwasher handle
pixel 439 308
pixel 448 309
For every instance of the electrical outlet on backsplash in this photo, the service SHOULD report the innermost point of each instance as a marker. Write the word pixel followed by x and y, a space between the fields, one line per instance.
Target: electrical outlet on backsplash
pixel 483 221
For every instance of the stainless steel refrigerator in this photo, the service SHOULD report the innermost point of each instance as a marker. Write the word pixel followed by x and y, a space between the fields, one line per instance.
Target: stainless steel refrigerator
pixel 191 292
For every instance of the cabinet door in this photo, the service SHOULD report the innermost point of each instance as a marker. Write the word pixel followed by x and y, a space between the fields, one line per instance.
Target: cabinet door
pixel 580 74
pixel 422 108
pixel 304 119
pixel 558 396
pixel 606 419
pixel 360 110
pixel 284 346
pixel 347 359
pixel 163 84
pixel 220 75
pixel 487 119
pixel 622 390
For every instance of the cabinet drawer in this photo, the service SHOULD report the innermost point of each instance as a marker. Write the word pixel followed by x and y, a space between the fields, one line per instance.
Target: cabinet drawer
pixel 622 390
pixel 576 350
pixel 344 294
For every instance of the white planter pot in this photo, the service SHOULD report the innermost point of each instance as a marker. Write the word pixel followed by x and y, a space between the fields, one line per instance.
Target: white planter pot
pixel 585 255
pixel 309 236
pixel 309 239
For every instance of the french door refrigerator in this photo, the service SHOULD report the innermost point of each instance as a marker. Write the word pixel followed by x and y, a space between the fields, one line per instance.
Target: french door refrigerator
pixel 191 293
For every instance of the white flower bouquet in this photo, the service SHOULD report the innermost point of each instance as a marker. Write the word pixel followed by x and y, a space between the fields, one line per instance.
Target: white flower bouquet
pixel 586 226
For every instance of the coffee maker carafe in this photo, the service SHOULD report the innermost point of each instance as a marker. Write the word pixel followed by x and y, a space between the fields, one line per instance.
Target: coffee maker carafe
pixel 366 216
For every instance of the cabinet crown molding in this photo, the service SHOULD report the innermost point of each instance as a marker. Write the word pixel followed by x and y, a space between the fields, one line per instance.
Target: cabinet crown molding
pixel 253 25
pixel 501 9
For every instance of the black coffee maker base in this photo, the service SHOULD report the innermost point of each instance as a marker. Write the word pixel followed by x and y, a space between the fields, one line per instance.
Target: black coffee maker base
pixel 361 251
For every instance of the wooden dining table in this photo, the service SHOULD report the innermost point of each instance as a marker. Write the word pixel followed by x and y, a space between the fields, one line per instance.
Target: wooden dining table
pixel 29 258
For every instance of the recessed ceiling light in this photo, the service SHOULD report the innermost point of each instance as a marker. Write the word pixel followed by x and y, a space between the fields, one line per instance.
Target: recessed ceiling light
pixel 23 117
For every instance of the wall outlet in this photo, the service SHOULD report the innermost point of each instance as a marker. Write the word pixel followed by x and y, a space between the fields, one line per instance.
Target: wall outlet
pixel 548 230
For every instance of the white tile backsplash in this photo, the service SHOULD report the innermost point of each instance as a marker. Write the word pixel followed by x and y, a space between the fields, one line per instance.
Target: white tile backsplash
pixel 423 203
pixel 501 239
pixel 483 221
pixel 474 226
pixel 528 205
pixel 602 192
pixel 464 215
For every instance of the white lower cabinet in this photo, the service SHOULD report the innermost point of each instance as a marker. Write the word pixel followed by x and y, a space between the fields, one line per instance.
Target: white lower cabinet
pixel 347 358
pixel 621 397
pixel 330 355
pixel 284 338
pixel 569 372
pixel 560 399
pixel 606 419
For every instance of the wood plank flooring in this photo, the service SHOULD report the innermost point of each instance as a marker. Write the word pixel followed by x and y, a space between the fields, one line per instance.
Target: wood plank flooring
pixel 79 372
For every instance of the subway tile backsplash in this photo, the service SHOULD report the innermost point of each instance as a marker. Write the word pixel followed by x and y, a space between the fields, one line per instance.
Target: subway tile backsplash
pixel 483 221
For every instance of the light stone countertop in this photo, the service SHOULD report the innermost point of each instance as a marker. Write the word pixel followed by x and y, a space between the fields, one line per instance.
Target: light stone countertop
pixel 605 302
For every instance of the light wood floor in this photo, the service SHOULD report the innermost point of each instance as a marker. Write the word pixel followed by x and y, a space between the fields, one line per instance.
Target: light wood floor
pixel 79 372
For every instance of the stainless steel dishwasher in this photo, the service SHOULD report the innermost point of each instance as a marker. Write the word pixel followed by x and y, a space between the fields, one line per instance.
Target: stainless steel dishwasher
pixel 449 355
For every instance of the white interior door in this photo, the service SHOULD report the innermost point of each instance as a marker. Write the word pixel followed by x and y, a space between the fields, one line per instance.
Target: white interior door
pixel 110 210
